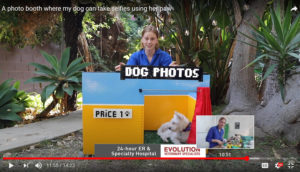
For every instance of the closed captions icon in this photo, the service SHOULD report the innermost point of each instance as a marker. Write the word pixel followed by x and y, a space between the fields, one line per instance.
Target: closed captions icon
pixel 264 165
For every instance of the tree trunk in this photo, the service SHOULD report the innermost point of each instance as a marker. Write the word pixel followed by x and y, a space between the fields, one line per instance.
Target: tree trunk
pixel 237 13
pixel 271 85
pixel 242 87
pixel 237 21
pixel 280 119
pixel 85 47
pixel 177 54
pixel 276 118
pixel 72 23
pixel 46 111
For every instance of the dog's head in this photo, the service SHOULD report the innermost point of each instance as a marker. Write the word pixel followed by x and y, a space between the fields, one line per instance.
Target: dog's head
pixel 179 122
pixel 237 137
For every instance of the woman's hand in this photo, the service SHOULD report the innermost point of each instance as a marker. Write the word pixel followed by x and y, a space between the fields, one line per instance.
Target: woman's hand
pixel 118 68
pixel 173 63
pixel 220 142
pixel 217 141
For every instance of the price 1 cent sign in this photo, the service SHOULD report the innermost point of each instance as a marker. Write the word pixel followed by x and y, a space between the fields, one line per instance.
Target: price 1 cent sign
pixel 112 113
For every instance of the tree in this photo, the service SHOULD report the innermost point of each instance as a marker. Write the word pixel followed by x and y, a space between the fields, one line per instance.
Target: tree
pixel 72 24
pixel 242 93
pixel 279 115
pixel 270 86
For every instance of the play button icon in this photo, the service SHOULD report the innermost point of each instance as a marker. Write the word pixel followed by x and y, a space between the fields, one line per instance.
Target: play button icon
pixel 10 165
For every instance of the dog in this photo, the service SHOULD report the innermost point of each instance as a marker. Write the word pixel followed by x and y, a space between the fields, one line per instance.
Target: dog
pixel 178 129
pixel 236 139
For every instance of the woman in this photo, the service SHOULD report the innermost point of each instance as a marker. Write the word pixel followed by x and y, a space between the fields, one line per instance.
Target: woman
pixel 215 134
pixel 150 54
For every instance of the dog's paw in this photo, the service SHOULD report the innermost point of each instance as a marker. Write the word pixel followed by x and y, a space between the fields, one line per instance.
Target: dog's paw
pixel 176 141
pixel 166 140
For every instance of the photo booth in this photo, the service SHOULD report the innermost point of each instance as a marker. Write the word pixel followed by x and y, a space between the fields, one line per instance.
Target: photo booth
pixel 118 111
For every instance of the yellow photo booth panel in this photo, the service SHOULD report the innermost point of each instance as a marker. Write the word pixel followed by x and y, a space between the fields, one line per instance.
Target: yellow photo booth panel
pixel 160 109
pixel 112 130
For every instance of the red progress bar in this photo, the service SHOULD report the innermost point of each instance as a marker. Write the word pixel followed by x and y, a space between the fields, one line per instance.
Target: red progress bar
pixel 246 158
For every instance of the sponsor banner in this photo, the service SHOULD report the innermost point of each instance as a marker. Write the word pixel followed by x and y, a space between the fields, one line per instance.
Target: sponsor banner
pixel 149 150
pixel 181 151
pixel 127 150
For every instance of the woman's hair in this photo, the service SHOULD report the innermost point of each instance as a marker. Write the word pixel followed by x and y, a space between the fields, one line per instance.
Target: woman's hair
pixel 222 118
pixel 150 28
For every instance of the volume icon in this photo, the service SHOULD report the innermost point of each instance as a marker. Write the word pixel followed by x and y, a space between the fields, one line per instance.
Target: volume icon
pixel 39 165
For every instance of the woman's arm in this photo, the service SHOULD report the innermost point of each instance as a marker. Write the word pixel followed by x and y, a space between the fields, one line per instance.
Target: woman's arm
pixel 118 68
pixel 217 141
pixel 209 136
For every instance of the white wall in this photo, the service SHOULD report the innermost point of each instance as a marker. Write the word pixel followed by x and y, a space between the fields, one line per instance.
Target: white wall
pixel 246 125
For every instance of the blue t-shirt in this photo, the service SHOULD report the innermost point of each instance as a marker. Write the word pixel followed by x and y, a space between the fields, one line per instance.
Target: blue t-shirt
pixel 214 133
pixel 160 58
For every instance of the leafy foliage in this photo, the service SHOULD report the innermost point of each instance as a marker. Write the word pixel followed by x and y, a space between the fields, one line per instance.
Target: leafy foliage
pixel 19 28
pixel 22 97
pixel 215 60
pixel 62 78
pixel 282 45
pixel 192 23
pixel 217 37
pixel 106 39
pixel 48 33
pixel 99 63
pixel 9 106
pixel 133 26
pixel 89 25
pixel 8 21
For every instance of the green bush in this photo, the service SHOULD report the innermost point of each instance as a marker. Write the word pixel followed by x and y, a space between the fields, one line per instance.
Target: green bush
pixel 10 105
pixel 22 97
pixel 61 76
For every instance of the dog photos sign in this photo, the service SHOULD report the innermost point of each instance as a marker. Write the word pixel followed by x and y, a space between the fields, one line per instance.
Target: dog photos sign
pixel 154 72
pixel 112 113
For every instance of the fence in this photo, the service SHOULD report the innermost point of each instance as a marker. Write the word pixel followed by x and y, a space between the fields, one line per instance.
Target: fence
pixel 14 64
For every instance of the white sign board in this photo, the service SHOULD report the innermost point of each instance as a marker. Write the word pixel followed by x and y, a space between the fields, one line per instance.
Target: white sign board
pixel 112 113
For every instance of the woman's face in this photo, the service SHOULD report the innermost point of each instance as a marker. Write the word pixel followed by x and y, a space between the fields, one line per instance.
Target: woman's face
pixel 149 41
pixel 222 123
